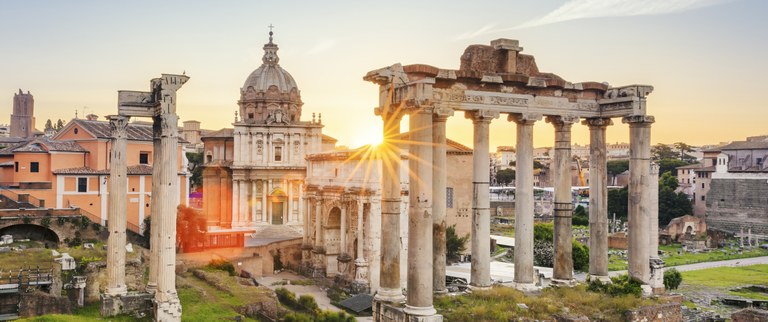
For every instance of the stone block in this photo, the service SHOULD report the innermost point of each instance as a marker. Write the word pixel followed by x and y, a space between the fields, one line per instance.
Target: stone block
pixel 749 315
pixel 669 312
pixel 135 304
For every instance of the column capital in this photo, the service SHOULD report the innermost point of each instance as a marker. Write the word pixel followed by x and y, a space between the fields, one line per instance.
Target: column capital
pixel 562 120
pixel 481 115
pixel 441 114
pixel 598 122
pixel 118 124
pixel 524 118
pixel 638 120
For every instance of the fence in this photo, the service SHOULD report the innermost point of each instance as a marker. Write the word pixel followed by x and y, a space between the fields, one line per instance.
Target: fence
pixel 90 216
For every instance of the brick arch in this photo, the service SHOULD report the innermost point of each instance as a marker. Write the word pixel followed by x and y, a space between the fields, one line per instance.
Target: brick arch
pixel 31 231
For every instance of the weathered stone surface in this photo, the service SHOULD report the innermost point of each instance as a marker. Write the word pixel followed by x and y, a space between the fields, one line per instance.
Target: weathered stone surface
pixel 669 312
pixel 39 303
pixel 733 204
pixel 136 304
pixel 749 315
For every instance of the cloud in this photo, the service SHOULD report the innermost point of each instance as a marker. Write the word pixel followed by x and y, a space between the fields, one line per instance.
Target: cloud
pixel 321 46
pixel 582 9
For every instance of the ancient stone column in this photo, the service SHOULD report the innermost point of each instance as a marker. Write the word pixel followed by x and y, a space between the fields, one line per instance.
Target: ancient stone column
pixel 563 261
pixel 154 207
pixel 118 189
pixel 480 274
pixel 639 195
pixel 598 198
pixel 166 298
pixel 344 226
pixel 657 264
pixel 235 203
pixel 264 192
pixel 524 205
pixel 438 197
pixel 390 212
pixel 361 265
pixel 319 250
pixel 419 297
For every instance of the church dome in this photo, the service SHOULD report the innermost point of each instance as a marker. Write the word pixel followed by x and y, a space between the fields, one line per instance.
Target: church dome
pixel 270 92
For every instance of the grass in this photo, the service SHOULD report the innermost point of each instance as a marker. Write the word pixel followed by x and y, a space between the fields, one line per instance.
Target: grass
pixel 731 280
pixel 501 304
pixel 86 314
pixel 672 258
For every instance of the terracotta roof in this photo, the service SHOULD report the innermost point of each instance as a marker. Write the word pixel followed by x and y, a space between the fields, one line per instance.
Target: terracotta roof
pixel 140 169
pixel 327 138
pixel 80 170
pixel 745 145
pixel 223 133
pixel 44 144
pixel 101 129
pixel 690 166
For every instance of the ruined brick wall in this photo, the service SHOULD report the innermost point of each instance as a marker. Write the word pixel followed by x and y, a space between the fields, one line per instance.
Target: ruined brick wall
pixel 749 315
pixel 669 312
pixel 40 303
pixel 733 204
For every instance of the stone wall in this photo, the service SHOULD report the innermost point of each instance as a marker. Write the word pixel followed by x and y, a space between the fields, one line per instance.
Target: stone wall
pixel 618 241
pixel 749 315
pixel 40 303
pixel 733 204
pixel 96 279
pixel 669 312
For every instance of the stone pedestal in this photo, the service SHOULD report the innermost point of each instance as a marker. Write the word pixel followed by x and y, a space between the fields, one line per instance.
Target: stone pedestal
pixel 391 313
pixel 481 213
pixel 598 199
pixel 135 304
pixel 524 274
pixel 118 186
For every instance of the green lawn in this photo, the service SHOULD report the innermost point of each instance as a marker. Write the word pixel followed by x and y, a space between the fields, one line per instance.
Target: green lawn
pixel 731 280
pixel 672 258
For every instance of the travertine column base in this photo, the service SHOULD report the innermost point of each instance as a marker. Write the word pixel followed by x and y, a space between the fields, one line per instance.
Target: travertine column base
pixel 168 311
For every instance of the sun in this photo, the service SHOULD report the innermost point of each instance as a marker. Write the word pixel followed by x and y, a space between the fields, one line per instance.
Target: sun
pixel 372 138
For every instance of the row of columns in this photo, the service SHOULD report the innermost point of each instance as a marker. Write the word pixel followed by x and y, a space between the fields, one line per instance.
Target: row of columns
pixel 244 204
pixel 427 206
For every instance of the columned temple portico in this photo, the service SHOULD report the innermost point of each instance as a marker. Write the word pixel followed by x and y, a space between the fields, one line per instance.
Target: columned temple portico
pixel 493 80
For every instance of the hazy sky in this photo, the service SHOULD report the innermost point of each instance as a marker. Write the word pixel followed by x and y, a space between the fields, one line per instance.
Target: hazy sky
pixel 705 58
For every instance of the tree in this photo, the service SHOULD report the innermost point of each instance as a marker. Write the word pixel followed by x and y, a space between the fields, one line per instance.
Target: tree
pixel 190 228
pixel 59 125
pixel 195 166
pixel 683 149
pixel 48 125
pixel 617 202
pixel 543 248
pixel 537 164
pixel 671 204
pixel 662 151
pixel 580 216
pixel 505 176
pixel 616 167
pixel 454 245
pixel 670 165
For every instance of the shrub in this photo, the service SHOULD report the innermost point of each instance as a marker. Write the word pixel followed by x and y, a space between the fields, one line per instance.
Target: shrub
pixel 454 244
pixel 672 279
pixel 544 231
pixel 543 253
pixel 222 265
pixel 308 303
pixel 580 254
pixel 297 317
pixel 286 297
pixel 621 285
pixel 46 221
pixel 330 316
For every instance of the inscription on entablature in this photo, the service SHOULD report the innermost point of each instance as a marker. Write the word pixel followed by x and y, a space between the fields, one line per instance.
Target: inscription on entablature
pixel 617 106
pixel 481 99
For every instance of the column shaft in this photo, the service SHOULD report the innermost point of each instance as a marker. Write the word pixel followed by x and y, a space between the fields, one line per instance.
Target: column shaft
pixel 390 212
pixel 563 261
pixel 639 196
pixel 598 198
pixel 360 236
pixel 235 202
pixel 653 230
pixel 419 297
pixel 169 187
pixel 264 201
pixel 343 237
pixel 154 207
pixel 480 275
pixel 118 186
pixel 524 206
pixel 439 181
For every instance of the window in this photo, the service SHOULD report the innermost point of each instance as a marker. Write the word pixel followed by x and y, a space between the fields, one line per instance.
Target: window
pixel 143 157
pixel 703 197
pixel 278 154
pixel 449 197
pixel 16 166
pixel 82 184
pixel 76 130
pixel 759 161
pixel 34 167
pixel 250 116
pixel 702 185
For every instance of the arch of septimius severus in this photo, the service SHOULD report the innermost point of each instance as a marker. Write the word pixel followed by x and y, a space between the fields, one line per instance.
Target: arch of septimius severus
pixel 492 81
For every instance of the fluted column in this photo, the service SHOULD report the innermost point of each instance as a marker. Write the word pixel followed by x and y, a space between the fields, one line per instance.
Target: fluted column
pixel 344 226
pixel 235 202
pixel 563 261
pixel 390 212
pixel 154 207
pixel 598 198
pixel 657 264
pixel 639 195
pixel 524 206
pixel 361 265
pixel 419 297
pixel 319 250
pixel 480 274
pixel 264 201
pixel 438 197
pixel 166 280
pixel 118 186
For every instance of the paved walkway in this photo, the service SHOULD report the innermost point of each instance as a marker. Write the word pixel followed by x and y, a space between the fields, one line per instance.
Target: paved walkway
pixel 705 265
pixel 316 291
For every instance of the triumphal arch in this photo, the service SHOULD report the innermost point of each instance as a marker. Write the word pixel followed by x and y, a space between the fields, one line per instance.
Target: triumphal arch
pixel 493 81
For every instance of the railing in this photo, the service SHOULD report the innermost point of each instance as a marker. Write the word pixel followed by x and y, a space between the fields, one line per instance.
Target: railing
pixel 90 216
pixel 26 277
pixel 135 228
pixel 35 202
pixel 23 198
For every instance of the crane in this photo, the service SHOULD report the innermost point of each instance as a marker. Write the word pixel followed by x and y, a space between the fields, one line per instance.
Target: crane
pixel 582 182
